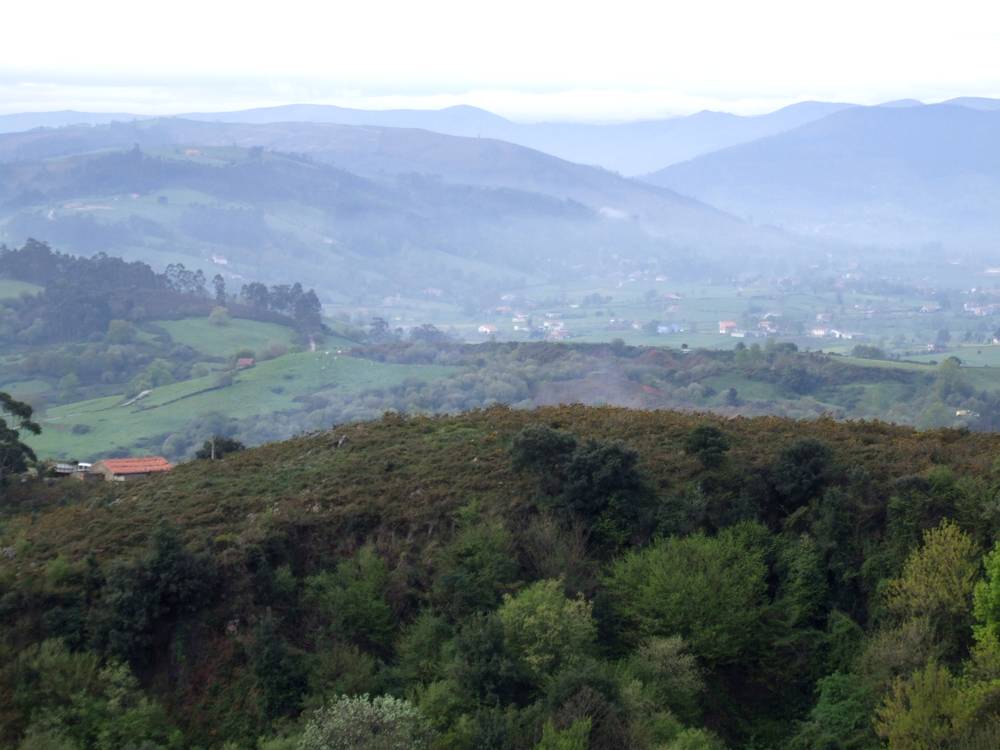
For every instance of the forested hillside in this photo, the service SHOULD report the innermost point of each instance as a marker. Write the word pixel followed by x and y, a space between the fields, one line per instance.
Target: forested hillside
pixel 568 577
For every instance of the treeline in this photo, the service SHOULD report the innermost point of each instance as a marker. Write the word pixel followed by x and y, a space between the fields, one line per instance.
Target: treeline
pixel 570 578
pixel 755 380
pixel 82 296
pixel 291 300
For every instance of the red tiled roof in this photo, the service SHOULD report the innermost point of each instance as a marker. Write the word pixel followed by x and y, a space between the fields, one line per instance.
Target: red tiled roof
pixel 245 362
pixel 143 465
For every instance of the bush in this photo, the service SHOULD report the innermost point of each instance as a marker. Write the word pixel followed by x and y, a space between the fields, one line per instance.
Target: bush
pixel 708 444
pixel 801 471
pixel 219 317
pixel 575 737
pixel 363 723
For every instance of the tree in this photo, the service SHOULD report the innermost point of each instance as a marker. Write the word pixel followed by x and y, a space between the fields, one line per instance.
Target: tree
pixel 712 591
pixel 120 332
pixel 708 444
pixel 801 471
pixel 476 568
pixel 256 295
pixel 545 628
pixel 597 483
pixel 14 453
pixel 218 446
pixel 938 580
pixel 219 316
pixel 280 674
pixel 669 674
pixel 987 595
pixel 925 711
pixel 219 284
pixel 544 450
pixel 307 311
pixel 575 737
pixel 351 600
pixel 364 723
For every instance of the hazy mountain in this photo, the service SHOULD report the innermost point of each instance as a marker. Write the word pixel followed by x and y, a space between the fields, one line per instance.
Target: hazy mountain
pixel 901 103
pixel 21 121
pixel 361 212
pixel 279 218
pixel 464 118
pixel 378 152
pixel 629 148
pixel 877 174
pixel 975 102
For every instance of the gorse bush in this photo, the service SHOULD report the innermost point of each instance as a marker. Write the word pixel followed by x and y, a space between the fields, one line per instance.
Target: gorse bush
pixel 363 723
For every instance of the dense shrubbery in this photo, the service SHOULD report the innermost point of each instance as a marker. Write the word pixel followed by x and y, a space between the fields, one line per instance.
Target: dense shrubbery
pixel 572 578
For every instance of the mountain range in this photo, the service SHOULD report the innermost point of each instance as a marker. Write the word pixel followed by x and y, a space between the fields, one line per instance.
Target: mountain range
pixel 810 179
pixel 631 148
pixel 363 212
pixel 873 175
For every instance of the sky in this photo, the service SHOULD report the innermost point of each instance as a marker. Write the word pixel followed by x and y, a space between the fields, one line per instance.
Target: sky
pixel 527 60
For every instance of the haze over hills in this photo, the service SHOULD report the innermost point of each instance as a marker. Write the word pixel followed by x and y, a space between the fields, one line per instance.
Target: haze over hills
pixel 876 175
pixel 361 211
pixel 21 121
pixel 629 148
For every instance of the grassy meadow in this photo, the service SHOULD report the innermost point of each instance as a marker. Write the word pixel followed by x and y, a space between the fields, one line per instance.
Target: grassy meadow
pixel 101 426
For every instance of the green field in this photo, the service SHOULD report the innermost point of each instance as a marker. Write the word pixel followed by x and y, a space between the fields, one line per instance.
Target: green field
pixel 105 426
pixel 223 341
pixel 972 355
pixel 12 289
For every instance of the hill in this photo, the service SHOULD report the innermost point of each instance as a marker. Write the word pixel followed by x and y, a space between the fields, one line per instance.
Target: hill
pixel 732 579
pixel 630 148
pixel 20 121
pixel 405 209
pixel 884 175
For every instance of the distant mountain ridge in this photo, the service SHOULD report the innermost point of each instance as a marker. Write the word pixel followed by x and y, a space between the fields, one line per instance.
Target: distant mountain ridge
pixel 362 212
pixel 893 175
pixel 380 152
pixel 630 148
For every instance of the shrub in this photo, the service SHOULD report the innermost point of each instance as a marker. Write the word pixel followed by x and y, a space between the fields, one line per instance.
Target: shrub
pixel 708 444
pixel 363 723
pixel 575 737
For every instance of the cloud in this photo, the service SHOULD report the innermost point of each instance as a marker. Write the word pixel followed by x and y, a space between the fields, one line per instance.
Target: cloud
pixel 523 58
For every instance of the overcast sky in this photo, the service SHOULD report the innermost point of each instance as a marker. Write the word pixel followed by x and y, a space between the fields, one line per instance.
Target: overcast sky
pixel 528 60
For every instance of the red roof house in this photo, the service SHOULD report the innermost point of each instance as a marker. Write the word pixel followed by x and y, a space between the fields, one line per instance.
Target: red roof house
pixel 127 469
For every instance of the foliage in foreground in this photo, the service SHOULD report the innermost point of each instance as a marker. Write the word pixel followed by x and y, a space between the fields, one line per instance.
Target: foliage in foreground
pixel 565 578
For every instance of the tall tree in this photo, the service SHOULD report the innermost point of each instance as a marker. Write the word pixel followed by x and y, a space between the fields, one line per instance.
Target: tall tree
pixel 219 284
pixel 15 417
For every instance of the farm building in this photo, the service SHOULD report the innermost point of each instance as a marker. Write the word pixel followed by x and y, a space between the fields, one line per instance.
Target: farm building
pixel 245 362
pixel 129 469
